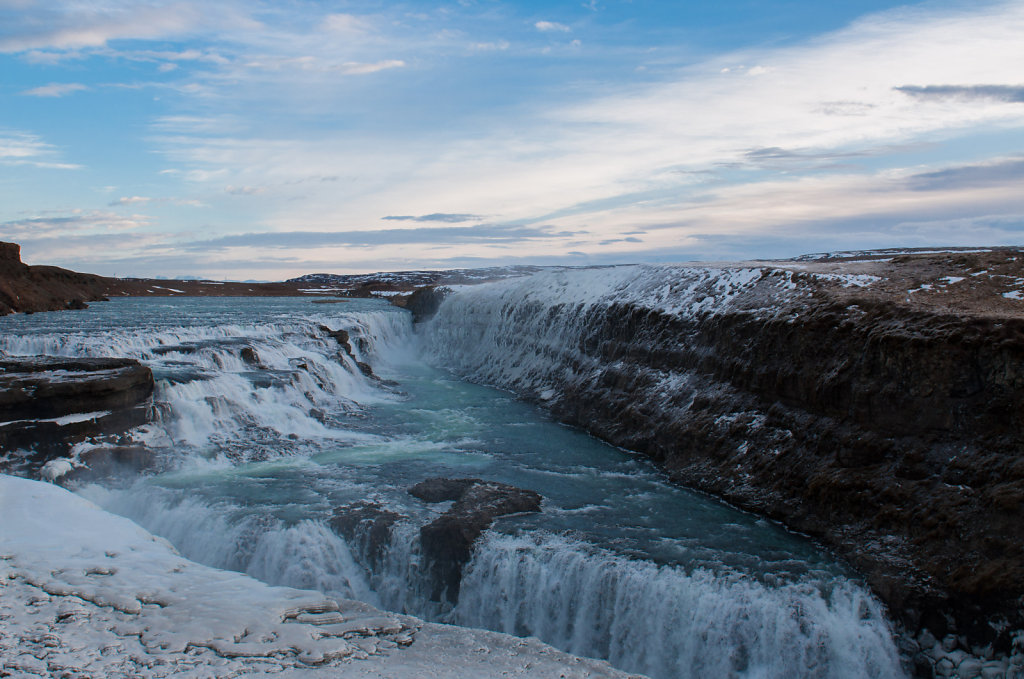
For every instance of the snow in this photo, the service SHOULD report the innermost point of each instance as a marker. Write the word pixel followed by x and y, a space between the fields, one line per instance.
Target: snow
pixel 54 469
pixel 1014 294
pixel 84 592
pixel 182 292
pixel 77 417
pixel 848 280
pixel 65 420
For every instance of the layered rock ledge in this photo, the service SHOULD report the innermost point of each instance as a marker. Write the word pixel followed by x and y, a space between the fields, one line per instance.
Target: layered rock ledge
pixel 874 402
pixel 48 403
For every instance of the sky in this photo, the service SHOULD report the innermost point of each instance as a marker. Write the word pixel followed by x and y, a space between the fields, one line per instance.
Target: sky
pixel 249 139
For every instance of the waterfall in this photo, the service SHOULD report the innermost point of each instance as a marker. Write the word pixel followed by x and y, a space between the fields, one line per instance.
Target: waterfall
pixel 538 334
pixel 665 622
pixel 305 554
pixel 248 391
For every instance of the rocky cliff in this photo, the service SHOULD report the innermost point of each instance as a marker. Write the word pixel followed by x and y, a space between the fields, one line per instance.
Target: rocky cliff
pixel 875 403
pixel 43 288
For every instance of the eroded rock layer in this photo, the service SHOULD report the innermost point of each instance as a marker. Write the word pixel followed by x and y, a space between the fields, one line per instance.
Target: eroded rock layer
pixel 48 403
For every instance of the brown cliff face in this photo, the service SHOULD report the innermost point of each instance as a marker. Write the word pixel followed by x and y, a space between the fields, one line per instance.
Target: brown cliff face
pixel 29 289
pixel 888 426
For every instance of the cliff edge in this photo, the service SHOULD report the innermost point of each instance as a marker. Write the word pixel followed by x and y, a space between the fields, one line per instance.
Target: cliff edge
pixel 28 289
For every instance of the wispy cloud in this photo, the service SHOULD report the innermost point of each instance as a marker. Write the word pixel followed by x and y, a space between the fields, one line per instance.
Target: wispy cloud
pixel 990 174
pixel 21 148
pixel 451 218
pixel 130 200
pixel 55 90
pixel 484 233
pixel 66 26
pixel 551 26
pixel 143 200
pixel 1007 93
pixel 75 222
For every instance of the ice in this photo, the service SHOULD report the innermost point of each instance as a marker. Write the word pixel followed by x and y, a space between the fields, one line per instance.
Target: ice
pixel 84 592
pixel 54 469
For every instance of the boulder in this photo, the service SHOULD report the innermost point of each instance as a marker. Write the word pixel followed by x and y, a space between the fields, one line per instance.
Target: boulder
pixel 446 543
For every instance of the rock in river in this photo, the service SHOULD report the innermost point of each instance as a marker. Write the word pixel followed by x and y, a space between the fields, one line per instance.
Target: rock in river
pixel 446 543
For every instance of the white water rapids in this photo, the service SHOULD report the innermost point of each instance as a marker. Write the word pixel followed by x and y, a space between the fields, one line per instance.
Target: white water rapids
pixel 621 565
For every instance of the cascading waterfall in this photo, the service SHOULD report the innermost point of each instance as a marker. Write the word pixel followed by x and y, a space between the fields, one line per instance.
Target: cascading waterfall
pixel 211 399
pixel 528 335
pixel 272 447
pixel 665 622
pixel 305 554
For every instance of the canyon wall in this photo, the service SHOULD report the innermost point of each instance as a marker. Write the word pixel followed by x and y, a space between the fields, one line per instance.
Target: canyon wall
pixel 875 405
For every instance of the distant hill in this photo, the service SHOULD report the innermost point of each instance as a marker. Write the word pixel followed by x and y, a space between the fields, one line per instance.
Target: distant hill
pixel 364 285
pixel 28 289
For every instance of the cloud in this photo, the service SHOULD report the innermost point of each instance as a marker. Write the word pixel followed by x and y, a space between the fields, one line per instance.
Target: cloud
pixel 484 233
pixel 21 148
pixel 970 176
pixel 313 64
pixel 356 68
pixel 450 218
pixel 70 26
pixel 130 200
pixel 1008 93
pixel 498 46
pixel 245 190
pixel 77 222
pixel 344 23
pixel 551 27
pixel 143 200
pixel 55 90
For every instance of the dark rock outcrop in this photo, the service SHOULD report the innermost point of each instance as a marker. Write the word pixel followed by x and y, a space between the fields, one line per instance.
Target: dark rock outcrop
pixel 106 462
pixel 446 543
pixel 893 437
pixel 343 338
pixel 366 525
pixel 424 302
pixel 29 289
pixel 49 403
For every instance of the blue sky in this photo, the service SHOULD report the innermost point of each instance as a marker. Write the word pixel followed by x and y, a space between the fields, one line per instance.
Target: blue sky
pixel 246 139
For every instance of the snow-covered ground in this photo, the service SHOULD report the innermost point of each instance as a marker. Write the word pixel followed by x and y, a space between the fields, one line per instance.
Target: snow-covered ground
pixel 87 593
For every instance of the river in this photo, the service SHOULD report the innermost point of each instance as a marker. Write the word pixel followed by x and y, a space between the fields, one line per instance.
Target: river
pixel 256 449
